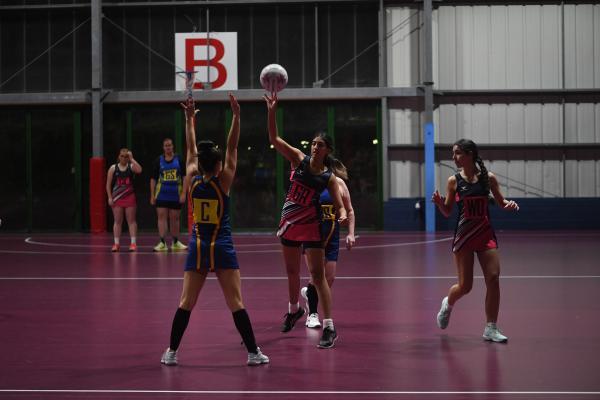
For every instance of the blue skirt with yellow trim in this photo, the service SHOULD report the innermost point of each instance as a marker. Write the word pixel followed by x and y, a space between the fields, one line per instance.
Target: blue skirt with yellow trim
pixel 203 256
pixel 330 231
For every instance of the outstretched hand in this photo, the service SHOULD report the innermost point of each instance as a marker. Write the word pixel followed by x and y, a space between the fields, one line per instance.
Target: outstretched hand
pixel 235 107
pixel 189 108
pixel 271 101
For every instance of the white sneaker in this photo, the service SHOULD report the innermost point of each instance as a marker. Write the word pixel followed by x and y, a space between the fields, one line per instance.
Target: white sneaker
pixel 258 358
pixel 312 321
pixel 443 317
pixel 493 334
pixel 169 357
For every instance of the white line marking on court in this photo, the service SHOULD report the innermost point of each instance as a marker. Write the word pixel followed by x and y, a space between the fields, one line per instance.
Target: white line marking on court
pixel 29 240
pixel 299 392
pixel 276 278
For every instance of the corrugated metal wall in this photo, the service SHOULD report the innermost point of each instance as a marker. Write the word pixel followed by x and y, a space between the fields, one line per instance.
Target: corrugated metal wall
pixel 496 48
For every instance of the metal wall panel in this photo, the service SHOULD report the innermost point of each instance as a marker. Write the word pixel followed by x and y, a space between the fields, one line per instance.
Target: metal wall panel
pixel 514 47
pixel 402 46
pixel 405 126
pixel 533 178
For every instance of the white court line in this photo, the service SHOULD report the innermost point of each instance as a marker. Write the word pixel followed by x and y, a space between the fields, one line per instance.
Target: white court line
pixel 278 250
pixel 300 392
pixel 29 240
pixel 277 278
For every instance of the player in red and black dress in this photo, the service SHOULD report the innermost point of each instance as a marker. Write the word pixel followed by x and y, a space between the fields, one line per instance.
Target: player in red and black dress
pixel 211 246
pixel 300 221
pixel 470 189
pixel 121 196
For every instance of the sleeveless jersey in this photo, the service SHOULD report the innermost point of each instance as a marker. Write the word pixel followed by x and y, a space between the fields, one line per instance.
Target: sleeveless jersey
pixel 122 183
pixel 170 179
pixel 473 215
pixel 301 213
pixel 211 245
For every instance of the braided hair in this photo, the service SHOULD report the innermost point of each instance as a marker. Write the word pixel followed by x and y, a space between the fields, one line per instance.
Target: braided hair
pixel 209 155
pixel 469 146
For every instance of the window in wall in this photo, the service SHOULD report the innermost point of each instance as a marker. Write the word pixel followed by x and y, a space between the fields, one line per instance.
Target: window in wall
pixel 253 192
pixel 355 133
pixel 13 201
pixel 61 55
pixel 11 32
pixel 53 171
pixel 150 125
pixel 240 19
pixel 37 40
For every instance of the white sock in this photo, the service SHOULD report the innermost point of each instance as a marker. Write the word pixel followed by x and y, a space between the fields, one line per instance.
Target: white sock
pixel 328 323
pixel 116 240
pixel 133 240
pixel 491 325
pixel 292 308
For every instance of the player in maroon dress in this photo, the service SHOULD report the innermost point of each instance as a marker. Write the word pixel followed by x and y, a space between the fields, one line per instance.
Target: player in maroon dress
pixel 301 218
pixel 470 189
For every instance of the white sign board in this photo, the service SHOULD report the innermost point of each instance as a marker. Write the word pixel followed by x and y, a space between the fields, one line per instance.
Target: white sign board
pixel 212 56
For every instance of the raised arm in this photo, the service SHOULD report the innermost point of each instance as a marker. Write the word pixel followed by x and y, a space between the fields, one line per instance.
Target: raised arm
pixel 191 165
pixel 336 195
pixel 292 154
pixel 509 205
pixel 109 178
pixel 232 144
pixel 350 239
pixel 445 204
pixel 135 166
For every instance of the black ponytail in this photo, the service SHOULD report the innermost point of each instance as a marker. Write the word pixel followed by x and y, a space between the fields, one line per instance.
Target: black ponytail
pixel 208 155
pixel 483 175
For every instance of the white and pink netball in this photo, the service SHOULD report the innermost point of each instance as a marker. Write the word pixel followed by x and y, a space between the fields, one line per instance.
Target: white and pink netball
pixel 273 78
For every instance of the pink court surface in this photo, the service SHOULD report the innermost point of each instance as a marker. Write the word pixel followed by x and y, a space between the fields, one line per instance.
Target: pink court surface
pixel 78 322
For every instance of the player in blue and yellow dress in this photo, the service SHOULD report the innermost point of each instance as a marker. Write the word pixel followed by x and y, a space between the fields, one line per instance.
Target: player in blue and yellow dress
pixel 330 232
pixel 167 195
pixel 211 246
pixel 470 189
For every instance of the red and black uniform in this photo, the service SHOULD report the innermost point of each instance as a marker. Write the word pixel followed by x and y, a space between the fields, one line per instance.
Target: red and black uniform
pixel 301 214
pixel 473 228
pixel 122 187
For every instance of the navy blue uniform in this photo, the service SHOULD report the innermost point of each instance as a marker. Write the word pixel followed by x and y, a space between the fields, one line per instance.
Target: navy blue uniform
pixel 169 176
pixel 330 227
pixel 211 245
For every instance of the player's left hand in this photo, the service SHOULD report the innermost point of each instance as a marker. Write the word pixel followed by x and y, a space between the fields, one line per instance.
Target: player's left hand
pixel 350 240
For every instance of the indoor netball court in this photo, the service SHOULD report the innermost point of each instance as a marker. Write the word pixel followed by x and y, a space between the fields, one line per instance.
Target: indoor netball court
pixel 80 322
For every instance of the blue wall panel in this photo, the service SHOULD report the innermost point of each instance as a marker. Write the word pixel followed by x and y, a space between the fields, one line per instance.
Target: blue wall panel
pixel 534 213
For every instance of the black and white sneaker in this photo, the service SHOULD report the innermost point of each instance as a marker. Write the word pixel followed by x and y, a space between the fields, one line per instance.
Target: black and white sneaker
pixel 290 320
pixel 328 339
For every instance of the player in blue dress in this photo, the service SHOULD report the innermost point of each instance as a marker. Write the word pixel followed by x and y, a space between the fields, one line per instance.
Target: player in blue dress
pixel 330 232
pixel 470 189
pixel 211 246
pixel 167 194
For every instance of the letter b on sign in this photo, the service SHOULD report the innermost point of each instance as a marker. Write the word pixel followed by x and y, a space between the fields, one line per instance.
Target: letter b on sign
pixel 213 58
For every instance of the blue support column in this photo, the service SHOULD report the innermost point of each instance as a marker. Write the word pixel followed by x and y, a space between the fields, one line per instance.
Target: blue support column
pixel 429 177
